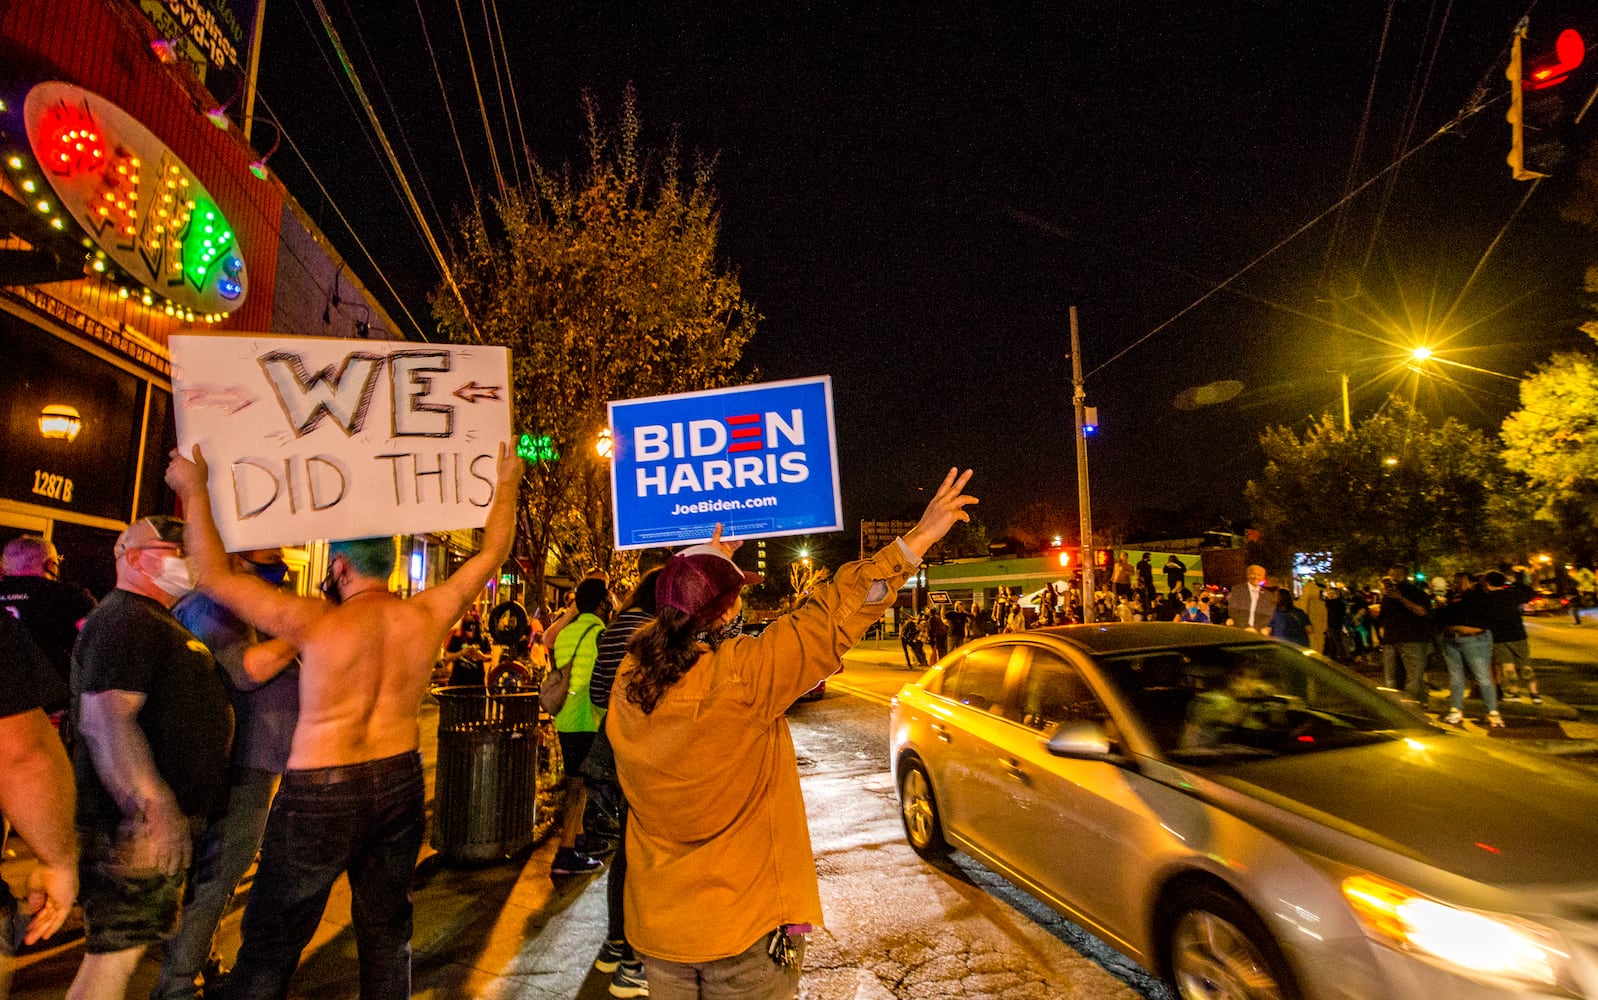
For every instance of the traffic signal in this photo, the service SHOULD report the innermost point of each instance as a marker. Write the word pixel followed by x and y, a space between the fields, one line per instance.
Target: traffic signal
pixel 1539 114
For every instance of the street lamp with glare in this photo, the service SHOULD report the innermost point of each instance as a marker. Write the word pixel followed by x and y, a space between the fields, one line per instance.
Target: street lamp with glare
pixel 1421 353
pixel 602 444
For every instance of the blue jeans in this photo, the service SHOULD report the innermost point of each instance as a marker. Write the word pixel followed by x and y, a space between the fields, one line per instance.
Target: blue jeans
pixel 365 819
pixel 752 975
pixel 1475 652
pixel 1404 667
pixel 225 852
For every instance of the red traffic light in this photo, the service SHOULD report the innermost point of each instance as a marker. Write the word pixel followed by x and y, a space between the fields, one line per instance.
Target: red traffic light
pixel 1569 51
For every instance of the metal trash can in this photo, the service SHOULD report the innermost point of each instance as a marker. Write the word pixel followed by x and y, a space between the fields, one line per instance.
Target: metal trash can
pixel 485 800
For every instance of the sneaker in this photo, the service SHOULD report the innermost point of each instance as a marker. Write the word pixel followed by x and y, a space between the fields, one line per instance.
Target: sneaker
pixel 1536 699
pixel 1494 720
pixel 1454 717
pixel 629 981
pixel 611 955
pixel 571 862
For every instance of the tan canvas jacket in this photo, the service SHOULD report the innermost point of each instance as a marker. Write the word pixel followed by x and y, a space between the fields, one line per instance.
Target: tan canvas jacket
pixel 718 850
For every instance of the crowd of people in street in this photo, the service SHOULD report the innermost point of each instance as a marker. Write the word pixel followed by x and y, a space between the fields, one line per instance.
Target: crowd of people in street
pixel 1471 626
pixel 203 717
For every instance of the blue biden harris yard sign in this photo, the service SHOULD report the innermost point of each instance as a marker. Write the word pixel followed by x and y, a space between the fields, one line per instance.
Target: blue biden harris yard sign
pixel 761 460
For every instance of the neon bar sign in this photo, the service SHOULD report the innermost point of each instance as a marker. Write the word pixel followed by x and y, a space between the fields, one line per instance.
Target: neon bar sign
pixel 140 204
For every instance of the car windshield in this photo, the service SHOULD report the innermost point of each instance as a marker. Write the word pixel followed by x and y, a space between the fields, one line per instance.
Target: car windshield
pixel 1250 700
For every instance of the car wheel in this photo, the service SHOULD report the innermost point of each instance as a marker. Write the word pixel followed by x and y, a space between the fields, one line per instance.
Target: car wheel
pixel 919 810
pixel 1216 947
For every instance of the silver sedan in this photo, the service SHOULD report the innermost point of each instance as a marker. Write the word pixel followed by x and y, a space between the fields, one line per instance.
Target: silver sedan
pixel 1248 819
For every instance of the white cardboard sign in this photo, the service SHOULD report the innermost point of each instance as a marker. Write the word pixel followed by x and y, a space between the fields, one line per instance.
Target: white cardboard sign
pixel 315 437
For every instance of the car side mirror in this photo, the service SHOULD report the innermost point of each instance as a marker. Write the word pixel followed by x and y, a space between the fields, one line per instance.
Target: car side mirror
pixel 1083 740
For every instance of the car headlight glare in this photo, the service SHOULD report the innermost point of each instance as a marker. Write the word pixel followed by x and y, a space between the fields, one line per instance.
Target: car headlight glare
pixel 1473 942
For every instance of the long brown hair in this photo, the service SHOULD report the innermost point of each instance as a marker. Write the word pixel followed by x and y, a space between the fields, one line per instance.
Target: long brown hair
pixel 663 651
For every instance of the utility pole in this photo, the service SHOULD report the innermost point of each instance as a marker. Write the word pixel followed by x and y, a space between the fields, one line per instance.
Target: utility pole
pixel 1084 507
pixel 253 67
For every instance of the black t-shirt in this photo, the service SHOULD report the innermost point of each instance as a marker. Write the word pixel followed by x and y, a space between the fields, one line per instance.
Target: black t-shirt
pixel 458 643
pixel 132 643
pixel 27 680
pixel 1399 623
pixel 50 610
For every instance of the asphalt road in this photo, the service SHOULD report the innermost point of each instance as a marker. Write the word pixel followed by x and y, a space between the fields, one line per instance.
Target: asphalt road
pixel 900 927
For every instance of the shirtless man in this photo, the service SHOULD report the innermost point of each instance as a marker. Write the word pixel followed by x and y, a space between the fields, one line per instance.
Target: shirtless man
pixel 352 799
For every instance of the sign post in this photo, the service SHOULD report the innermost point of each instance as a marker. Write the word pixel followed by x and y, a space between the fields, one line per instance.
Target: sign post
pixel 315 437
pixel 761 460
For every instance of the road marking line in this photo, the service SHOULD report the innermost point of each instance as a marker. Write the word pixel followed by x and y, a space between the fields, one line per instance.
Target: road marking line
pixel 833 682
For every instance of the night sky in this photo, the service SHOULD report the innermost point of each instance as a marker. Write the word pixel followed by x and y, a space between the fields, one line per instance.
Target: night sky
pixel 914 195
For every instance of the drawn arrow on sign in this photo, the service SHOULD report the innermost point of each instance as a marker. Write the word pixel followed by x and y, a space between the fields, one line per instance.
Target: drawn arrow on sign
pixel 472 392
pixel 229 400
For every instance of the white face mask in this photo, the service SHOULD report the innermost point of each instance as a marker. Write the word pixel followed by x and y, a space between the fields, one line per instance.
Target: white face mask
pixel 174 578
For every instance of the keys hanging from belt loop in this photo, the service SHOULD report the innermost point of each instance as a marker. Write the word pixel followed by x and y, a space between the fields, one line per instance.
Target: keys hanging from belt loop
pixel 780 948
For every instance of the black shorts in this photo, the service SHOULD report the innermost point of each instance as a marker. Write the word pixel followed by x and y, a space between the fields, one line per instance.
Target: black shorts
pixel 123 907
pixel 574 750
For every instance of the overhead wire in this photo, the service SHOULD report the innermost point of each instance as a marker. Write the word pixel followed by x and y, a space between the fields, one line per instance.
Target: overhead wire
pixel 393 110
pixel 1481 263
pixel 516 103
pixel 410 196
pixel 443 93
pixel 504 108
pixel 1358 155
pixel 1295 234
pixel 360 123
pixel 376 268
pixel 1419 84
pixel 488 130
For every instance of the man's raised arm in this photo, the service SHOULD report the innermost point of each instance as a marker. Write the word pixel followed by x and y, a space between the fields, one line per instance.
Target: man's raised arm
pixel 449 600
pixel 268 608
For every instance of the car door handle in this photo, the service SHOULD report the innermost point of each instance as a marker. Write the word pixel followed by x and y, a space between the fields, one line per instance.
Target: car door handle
pixel 942 731
pixel 1013 769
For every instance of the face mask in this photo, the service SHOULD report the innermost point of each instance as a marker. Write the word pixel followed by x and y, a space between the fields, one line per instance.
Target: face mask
pixel 273 572
pixel 716 636
pixel 174 578
pixel 330 588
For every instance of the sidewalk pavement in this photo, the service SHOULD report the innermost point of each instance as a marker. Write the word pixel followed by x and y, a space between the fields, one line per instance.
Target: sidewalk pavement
pixel 500 931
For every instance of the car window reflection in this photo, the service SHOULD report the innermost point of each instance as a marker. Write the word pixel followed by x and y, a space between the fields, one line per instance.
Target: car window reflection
pixel 1249 699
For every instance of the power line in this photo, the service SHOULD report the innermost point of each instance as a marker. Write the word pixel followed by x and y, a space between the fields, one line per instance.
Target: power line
pixel 349 103
pixel 488 130
pixel 1417 96
pixel 377 126
pixel 515 102
pixel 443 93
pixel 399 124
pixel 342 218
pixel 1295 234
pixel 1359 147
pixel 504 108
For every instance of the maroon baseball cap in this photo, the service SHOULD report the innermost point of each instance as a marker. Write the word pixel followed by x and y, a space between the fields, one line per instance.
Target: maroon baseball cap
pixel 701 583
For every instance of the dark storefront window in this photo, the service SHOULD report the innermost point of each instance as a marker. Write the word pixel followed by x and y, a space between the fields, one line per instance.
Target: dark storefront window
pixel 91 474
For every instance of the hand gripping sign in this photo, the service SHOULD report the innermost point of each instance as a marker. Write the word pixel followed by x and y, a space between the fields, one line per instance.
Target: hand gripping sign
pixel 314 437
pixel 761 460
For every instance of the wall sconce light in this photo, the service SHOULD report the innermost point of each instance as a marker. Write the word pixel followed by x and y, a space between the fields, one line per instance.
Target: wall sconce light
pixel 60 422
pixel 258 165
pixel 218 114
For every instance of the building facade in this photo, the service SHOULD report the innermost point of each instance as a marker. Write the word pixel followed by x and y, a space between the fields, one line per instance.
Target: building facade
pixel 132 209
